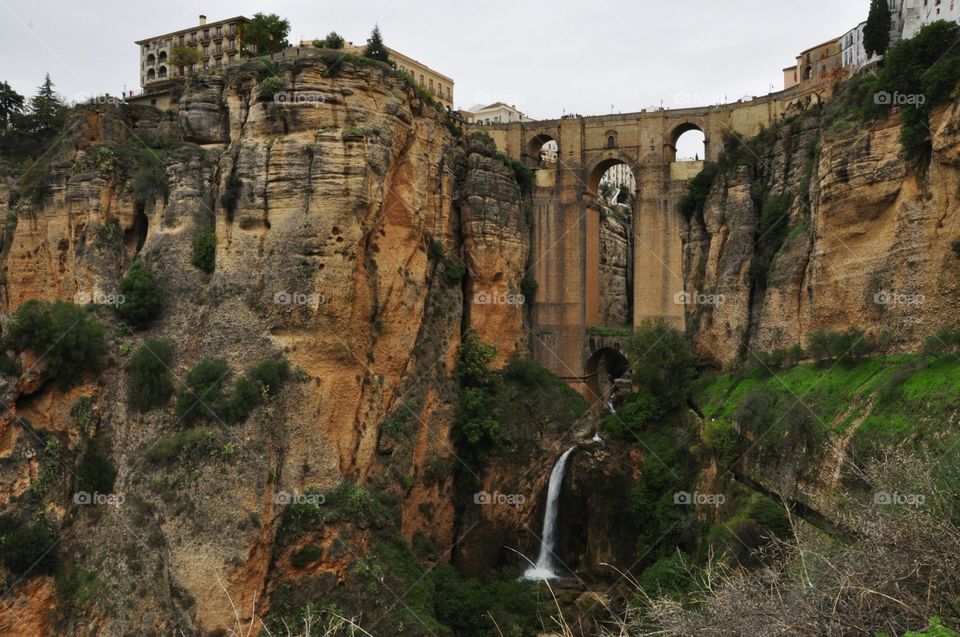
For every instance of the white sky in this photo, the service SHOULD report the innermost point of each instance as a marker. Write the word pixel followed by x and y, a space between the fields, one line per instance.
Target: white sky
pixel 545 56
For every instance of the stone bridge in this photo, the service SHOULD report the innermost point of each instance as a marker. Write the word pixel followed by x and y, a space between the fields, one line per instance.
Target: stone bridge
pixel 566 245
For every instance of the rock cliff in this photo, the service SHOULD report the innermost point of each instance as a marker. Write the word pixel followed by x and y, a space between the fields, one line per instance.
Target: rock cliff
pixel 867 244
pixel 341 217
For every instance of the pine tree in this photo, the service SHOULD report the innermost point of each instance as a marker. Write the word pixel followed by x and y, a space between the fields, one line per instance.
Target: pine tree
pixel 375 48
pixel 876 33
pixel 47 111
pixel 11 105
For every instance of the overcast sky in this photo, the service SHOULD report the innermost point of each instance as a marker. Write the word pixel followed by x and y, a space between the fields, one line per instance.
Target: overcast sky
pixel 546 56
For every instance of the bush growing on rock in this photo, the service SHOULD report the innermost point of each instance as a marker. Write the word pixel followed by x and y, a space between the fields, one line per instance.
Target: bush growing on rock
pixel 150 382
pixel 64 337
pixel 202 390
pixel 27 548
pixel 141 297
pixel 205 249
pixel 663 366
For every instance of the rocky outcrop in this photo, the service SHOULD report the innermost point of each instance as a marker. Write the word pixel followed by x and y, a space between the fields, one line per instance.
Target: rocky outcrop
pixel 324 211
pixel 868 242
pixel 616 265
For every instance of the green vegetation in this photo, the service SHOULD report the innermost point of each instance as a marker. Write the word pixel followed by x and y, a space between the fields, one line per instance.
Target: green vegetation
pixel 149 179
pixel 472 608
pixel 64 337
pixel 523 175
pixel 266 33
pixel 202 395
pixel 663 366
pixel 528 287
pixel 876 33
pixel 453 269
pixel 96 472
pixel 27 548
pixel 150 382
pixel 477 426
pixel 376 50
pixel 141 297
pixel 202 390
pixel 918 74
pixel 306 556
pixel 204 254
pixel 611 330
pixel 186 56
pixel 831 348
pixel 333 41
pixel 270 86
pixel 691 206
pixel 771 233
pixel 28 129
pixel 183 445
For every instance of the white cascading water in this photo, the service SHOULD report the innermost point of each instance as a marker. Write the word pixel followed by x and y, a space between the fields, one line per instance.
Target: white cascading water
pixel 543 570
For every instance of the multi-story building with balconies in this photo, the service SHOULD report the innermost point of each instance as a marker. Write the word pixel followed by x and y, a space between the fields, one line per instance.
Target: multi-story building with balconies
pixel 218 44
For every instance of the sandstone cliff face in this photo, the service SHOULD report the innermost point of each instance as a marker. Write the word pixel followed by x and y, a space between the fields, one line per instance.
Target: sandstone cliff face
pixel 321 255
pixel 869 242
pixel 616 265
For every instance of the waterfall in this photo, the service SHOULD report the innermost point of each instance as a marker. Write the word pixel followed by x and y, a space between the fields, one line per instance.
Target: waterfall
pixel 543 570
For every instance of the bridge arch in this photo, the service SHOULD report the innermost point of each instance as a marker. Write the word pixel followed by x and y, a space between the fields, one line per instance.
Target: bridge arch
pixel 603 367
pixel 687 130
pixel 543 149
pixel 600 167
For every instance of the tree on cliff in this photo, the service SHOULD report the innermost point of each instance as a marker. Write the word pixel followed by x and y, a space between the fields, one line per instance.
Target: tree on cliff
pixel 375 47
pixel 333 41
pixel 266 34
pixel 876 33
pixel 11 105
pixel 47 111
pixel 185 56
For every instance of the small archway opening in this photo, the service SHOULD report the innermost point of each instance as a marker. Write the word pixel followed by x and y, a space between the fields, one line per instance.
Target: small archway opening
pixel 162 58
pixel 162 73
pixel 544 150
pixel 604 368
pixel 688 143
pixel 151 59
pixel 150 74
pixel 614 187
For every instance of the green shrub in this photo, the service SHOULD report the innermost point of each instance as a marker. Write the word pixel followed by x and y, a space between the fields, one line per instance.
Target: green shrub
pixel 668 576
pixel 846 347
pixel 523 175
pixel 272 374
pixel 150 382
pixel 204 254
pixel 528 287
pixel 201 393
pixel 633 418
pixel 453 270
pixel 141 298
pixel 944 341
pixel 333 40
pixel 96 473
pixel 771 233
pixel 306 555
pixel 149 180
pixel 9 366
pixel 183 444
pixel 231 193
pixel 435 250
pixel 698 190
pixel 28 547
pixel 754 411
pixel 500 605
pixel 64 337
pixel 663 366
pixel 245 396
pixel 270 86
pixel 723 439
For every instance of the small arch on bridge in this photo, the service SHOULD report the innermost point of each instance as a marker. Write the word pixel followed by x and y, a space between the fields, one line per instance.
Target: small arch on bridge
pixel 687 143
pixel 611 139
pixel 612 181
pixel 604 367
pixel 543 149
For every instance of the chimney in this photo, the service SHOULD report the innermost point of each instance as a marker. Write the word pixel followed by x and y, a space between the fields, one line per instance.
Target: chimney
pixel 203 19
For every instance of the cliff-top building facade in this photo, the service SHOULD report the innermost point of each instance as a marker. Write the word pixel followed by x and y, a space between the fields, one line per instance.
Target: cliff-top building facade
pixel 217 43
pixel 438 84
